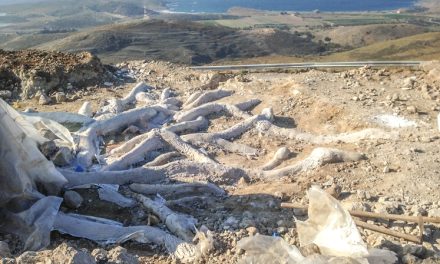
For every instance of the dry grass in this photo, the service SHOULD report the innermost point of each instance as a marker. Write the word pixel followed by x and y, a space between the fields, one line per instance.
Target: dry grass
pixel 418 47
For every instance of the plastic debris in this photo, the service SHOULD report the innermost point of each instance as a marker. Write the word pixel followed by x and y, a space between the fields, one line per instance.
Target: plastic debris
pixel 22 166
pixel 330 227
pixel 109 193
pixel 268 249
pixel 57 129
pixel 32 226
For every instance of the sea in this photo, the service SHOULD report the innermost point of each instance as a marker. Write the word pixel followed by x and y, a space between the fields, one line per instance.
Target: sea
pixel 221 6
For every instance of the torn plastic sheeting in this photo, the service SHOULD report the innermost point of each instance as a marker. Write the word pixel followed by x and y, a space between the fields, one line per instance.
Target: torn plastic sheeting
pixel 104 231
pixel 267 249
pixel 22 166
pixel 59 130
pixel 32 226
pixel 108 193
pixel 62 117
pixel 330 227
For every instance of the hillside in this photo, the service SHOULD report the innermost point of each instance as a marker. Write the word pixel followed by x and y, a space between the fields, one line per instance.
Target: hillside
pixel 432 5
pixel 417 47
pixel 358 36
pixel 183 42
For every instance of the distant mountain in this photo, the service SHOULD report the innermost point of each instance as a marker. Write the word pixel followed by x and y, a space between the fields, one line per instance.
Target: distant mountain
pixel 13 2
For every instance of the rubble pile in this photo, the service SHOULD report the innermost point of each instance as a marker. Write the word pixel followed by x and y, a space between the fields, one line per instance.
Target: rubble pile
pixel 27 73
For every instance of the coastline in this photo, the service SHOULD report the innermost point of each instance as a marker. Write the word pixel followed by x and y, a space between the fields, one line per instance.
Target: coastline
pixel 171 7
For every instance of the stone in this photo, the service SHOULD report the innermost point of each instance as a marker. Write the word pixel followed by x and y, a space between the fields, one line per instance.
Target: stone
pixel 100 255
pixel 68 255
pixel 386 169
pixel 434 212
pixel 64 254
pixel 282 230
pixel 4 250
pixel 60 97
pixel 5 94
pixel 73 199
pixel 334 190
pixel 119 255
pixel 48 148
pixel 408 83
pixel 300 212
pixel 363 195
pixel 415 250
pixel 242 182
pixel 309 250
pixel 231 221
pixel 63 157
pixel 412 109
pixel 246 222
pixel 409 259
pixel 388 207
pixel 252 230
pixel 27 257
pixel 44 99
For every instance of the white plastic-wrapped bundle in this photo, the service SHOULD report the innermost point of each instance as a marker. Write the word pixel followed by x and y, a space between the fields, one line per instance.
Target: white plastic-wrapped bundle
pixel 22 166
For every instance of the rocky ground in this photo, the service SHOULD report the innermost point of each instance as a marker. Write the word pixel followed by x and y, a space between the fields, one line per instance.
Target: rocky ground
pixel 399 176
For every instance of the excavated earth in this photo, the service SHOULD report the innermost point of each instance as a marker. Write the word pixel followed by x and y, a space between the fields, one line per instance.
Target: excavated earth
pixel 24 73
pixel 399 176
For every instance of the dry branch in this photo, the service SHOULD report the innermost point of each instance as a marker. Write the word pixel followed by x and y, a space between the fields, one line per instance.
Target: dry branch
pixel 149 175
pixel 271 130
pixel 233 147
pixel 179 224
pixel 150 141
pixel 131 96
pixel 281 155
pixel 184 148
pixel 189 126
pixel 207 97
pixel 88 144
pixel 319 157
pixel 211 108
pixel 163 159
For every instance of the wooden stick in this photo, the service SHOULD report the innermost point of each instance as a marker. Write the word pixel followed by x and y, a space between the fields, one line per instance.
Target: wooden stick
pixel 386 231
pixel 416 219
pixel 406 218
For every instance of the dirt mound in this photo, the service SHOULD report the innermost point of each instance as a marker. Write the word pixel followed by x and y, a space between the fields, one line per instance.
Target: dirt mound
pixel 24 73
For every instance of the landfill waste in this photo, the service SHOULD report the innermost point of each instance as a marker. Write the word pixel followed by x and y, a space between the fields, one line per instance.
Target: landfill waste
pixel 147 153
pixel 329 227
